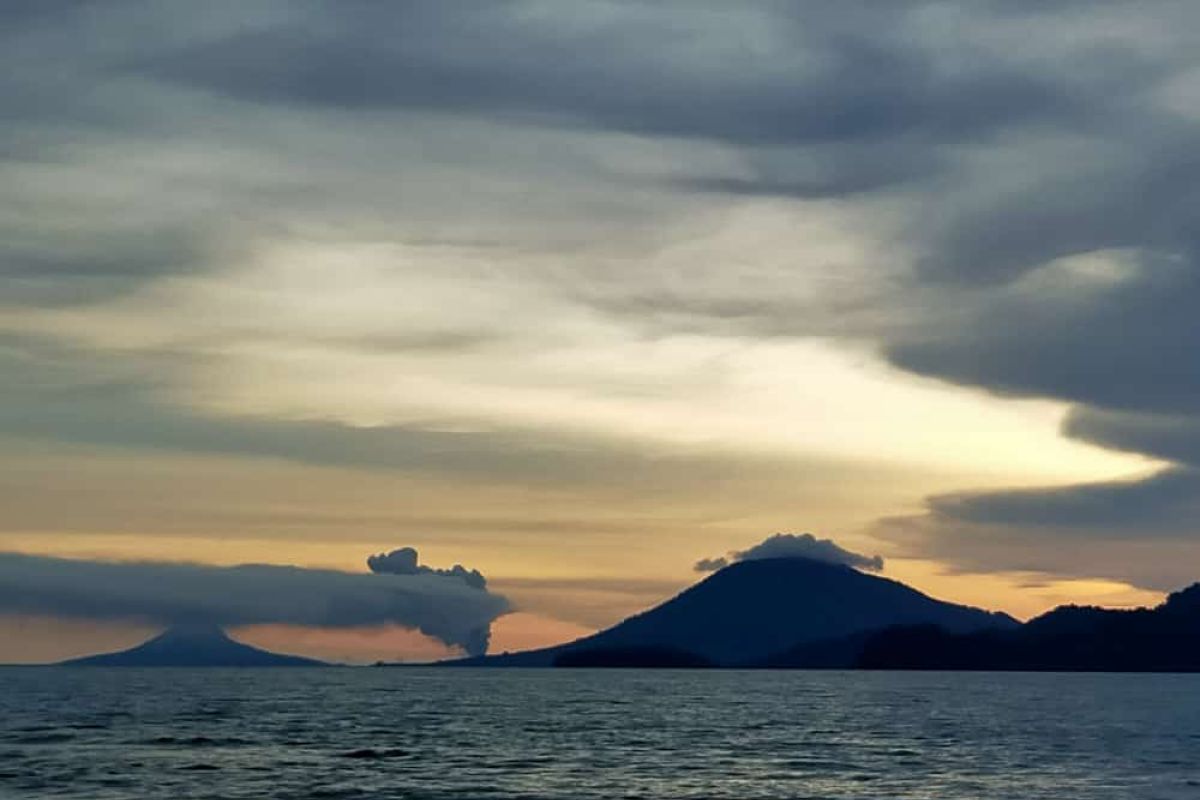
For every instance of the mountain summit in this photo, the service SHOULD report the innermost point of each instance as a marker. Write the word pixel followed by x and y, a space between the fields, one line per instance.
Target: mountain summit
pixel 193 646
pixel 752 610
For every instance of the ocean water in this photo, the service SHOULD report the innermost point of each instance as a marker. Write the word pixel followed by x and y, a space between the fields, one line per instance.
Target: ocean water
pixel 442 733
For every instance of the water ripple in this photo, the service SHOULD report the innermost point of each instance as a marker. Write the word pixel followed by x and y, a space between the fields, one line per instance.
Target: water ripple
pixel 429 734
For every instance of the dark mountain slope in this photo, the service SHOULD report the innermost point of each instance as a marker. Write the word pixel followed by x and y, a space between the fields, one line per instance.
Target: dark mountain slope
pixel 752 609
pixel 1067 639
pixel 193 646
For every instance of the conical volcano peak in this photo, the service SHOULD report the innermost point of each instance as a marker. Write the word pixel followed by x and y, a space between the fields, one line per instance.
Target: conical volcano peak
pixel 194 645
pixel 750 610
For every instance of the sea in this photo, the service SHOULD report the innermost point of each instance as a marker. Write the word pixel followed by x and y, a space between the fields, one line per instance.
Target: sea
pixel 507 733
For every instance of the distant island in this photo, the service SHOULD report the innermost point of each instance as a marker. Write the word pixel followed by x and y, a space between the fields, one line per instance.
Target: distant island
pixel 193 646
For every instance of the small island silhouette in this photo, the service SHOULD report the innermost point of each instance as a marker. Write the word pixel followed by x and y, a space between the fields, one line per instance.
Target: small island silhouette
pixel 193 645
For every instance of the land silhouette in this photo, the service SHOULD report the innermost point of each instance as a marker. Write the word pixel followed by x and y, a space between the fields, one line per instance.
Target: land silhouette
pixel 1067 639
pixel 800 613
pixel 750 610
pixel 193 646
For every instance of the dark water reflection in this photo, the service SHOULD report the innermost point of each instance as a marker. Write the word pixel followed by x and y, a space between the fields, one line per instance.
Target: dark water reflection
pixel 429 733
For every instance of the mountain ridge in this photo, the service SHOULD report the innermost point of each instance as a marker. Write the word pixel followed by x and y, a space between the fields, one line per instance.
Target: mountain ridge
pixel 1069 638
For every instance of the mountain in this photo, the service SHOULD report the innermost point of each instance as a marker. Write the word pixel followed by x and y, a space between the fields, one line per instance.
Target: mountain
pixel 1067 639
pixel 193 646
pixel 752 610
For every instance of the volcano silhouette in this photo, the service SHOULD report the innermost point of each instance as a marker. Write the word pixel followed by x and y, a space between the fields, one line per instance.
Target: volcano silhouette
pixel 751 610
pixel 193 646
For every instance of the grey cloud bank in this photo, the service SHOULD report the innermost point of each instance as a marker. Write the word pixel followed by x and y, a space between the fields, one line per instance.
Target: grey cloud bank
pixel 173 593
pixel 808 74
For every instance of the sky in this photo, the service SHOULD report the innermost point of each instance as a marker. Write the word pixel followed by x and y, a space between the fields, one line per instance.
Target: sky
pixel 577 294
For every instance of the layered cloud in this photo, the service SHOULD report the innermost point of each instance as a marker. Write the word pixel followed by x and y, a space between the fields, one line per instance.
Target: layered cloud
pixel 792 545
pixel 447 609
pixel 535 240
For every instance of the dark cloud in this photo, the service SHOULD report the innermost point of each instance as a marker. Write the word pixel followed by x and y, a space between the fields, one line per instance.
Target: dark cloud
pixel 404 562
pixel 711 564
pixel 1113 342
pixel 1172 437
pixel 171 593
pixel 1098 309
pixel 17 13
pixel 767 75
pixel 1144 507
pixel 56 267
pixel 1134 189
pixel 791 545
pixel 826 170
pixel 1153 552
pixel 871 96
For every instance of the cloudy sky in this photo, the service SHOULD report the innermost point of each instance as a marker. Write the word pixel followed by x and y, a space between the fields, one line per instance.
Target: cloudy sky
pixel 578 293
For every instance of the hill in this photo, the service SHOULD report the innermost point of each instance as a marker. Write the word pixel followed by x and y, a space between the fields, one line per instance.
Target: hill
pixel 193 646
pixel 752 610
pixel 1067 639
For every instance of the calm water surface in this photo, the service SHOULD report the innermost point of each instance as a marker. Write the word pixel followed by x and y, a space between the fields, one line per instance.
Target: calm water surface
pixel 435 733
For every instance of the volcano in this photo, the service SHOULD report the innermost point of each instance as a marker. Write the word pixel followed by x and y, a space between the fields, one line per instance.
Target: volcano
pixel 752 610
pixel 193 646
